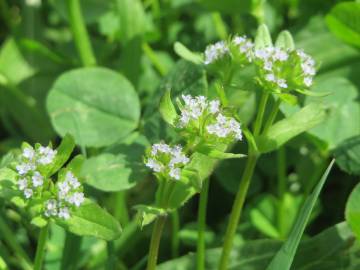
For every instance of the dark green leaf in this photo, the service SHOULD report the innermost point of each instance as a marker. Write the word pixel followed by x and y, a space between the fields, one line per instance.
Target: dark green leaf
pixel 347 155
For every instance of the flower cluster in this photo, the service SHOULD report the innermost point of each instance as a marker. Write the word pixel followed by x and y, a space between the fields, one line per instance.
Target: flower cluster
pixel 198 112
pixel 166 161
pixel 33 182
pixel 243 48
pixel 30 180
pixel 215 52
pixel 284 69
pixel 69 194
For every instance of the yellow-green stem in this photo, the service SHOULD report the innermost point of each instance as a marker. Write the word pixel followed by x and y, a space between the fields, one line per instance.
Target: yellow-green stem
pixel 41 245
pixel 200 254
pixel 155 242
pixel 260 114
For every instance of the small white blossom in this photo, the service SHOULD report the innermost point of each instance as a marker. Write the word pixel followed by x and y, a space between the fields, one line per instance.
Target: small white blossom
pixel 64 213
pixel 28 193
pixel 28 153
pixel 160 147
pixel 245 46
pixel 282 83
pixel 280 55
pixel 37 179
pixel 51 208
pixel 215 52
pixel 47 155
pixel 72 180
pixel 175 173
pixel 24 168
pixel 308 81
pixel 270 77
pixel 225 127
pixel 22 183
pixel 154 165
pixel 268 65
pixel 64 189
pixel 214 106
pixel 76 199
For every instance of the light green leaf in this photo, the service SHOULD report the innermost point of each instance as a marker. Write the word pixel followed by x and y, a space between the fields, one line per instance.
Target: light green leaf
pixel 263 37
pixel 3 265
pixel 347 155
pixel 212 152
pixel 91 220
pixel 167 109
pixel 82 97
pixel 285 40
pixel 352 212
pixel 288 128
pixel 148 214
pixel 186 54
pixel 119 167
pixel 344 21
pixel 285 256
pixel 39 221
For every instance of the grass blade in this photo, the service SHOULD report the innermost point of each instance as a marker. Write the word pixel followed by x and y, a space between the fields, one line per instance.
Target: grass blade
pixel 285 256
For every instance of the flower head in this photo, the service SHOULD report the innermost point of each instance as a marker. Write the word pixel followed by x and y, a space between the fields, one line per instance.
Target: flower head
pixel 215 52
pixel 166 160
pixel 243 48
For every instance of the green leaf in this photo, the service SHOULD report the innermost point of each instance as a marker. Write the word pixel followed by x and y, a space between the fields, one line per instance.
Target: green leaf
pixel 148 214
pixel 347 155
pixel 167 109
pixel 91 220
pixel 352 211
pixel 344 21
pixel 3 265
pixel 39 221
pixel 82 97
pixel 186 54
pixel 76 164
pixel 64 151
pixel 343 111
pixel 263 37
pixel 119 167
pixel 212 152
pixel 285 40
pixel 285 256
pixel 286 129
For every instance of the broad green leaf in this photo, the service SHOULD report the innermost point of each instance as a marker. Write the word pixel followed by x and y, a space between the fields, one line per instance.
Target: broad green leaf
pixel 347 155
pixel 91 220
pixel 148 214
pixel 119 167
pixel 352 212
pixel 13 65
pixel 285 256
pixel 82 97
pixel 76 164
pixel 344 21
pixel 64 151
pixel 263 37
pixel 313 253
pixel 285 40
pixel 167 109
pixel 286 129
pixel 186 54
pixel 343 114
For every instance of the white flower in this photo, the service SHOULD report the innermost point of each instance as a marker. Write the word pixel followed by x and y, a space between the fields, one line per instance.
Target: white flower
pixel 268 65
pixel 160 147
pixel 282 83
pixel 51 208
pixel 22 183
pixel 64 189
pixel 270 77
pixel 237 40
pixel 28 193
pixel 214 106
pixel 245 46
pixel 175 173
pixel 215 52
pixel 308 81
pixel 154 165
pixel 280 55
pixel 224 127
pixel 72 180
pixel 28 153
pixel 37 179
pixel 64 213
pixel 24 168
pixel 76 199
pixel 47 155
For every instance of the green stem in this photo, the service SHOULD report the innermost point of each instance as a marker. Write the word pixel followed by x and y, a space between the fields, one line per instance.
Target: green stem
pixel 220 25
pixel 261 111
pixel 40 250
pixel 5 13
pixel 80 33
pixel 236 210
pixel 11 241
pixel 272 115
pixel 281 168
pixel 155 242
pixel 175 234
pixel 121 211
pixel 153 58
pixel 111 261
pixel 200 255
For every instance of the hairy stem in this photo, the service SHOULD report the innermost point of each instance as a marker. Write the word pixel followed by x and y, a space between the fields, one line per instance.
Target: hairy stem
pixel 155 242
pixel 41 245
pixel 200 254
pixel 80 34
pixel 236 210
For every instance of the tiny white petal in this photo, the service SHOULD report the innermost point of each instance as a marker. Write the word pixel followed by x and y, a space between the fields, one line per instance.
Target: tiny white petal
pixel 37 179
